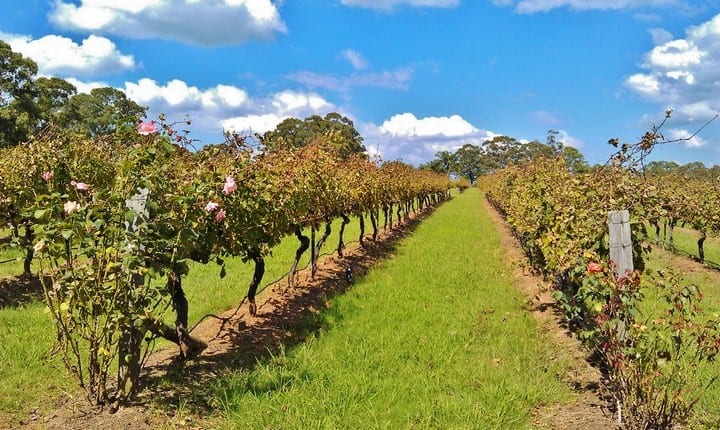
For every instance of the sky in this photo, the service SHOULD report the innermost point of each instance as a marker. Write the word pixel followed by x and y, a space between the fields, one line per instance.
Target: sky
pixel 415 76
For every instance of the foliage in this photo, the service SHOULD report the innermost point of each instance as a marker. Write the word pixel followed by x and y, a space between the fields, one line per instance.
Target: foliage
pixel 293 133
pixel 101 258
pixel 473 161
pixel 561 219
pixel 101 112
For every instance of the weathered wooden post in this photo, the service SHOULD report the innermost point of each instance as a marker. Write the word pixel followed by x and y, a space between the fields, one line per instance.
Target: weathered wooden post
pixel 622 261
pixel 137 203
pixel 620 242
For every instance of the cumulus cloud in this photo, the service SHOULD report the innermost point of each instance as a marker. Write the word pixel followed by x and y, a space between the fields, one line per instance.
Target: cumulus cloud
pixel 682 73
pixel 208 23
pixel 536 6
pixel 568 140
pixel 267 114
pixel 394 79
pixel 407 125
pixel 391 4
pixel 61 56
pixel 417 140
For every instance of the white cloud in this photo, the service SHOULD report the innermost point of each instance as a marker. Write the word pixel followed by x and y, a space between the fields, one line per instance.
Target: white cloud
pixel 417 140
pixel 645 84
pixel 391 4
pixel 86 87
pixel 61 56
pixel 407 125
pixel 684 135
pixel 395 79
pixel 265 115
pixel 208 22
pixel 535 6
pixel 252 123
pixel 564 137
pixel 675 54
pixel 683 73
pixel 355 59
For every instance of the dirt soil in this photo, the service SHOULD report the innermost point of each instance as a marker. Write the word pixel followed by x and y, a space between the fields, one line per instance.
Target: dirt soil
pixel 178 394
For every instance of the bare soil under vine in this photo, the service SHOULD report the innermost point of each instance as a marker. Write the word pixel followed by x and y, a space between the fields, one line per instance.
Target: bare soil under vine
pixel 179 394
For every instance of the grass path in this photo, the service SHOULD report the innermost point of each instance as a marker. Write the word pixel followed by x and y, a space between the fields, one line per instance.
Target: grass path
pixel 434 337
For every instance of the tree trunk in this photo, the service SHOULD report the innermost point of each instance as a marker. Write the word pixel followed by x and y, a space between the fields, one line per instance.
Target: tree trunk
pixel 304 245
pixel 258 274
pixel 373 221
pixel 318 246
pixel 189 347
pixel 341 245
pixel 361 239
pixel 29 250
pixel 700 242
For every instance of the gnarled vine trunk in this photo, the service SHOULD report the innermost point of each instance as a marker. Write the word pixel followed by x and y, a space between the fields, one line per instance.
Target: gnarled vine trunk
pixel 258 274
pixel 304 245
pixel 341 244
pixel 361 238
pixel 318 246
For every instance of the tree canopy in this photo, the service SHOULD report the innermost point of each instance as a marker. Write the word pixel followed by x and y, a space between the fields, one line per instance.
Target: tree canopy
pixel 472 161
pixel 333 128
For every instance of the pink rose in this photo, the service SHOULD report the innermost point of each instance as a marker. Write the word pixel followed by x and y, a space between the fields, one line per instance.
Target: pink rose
pixel 82 186
pixel 211 207
pixel 147 128
pixel 220 216
pixel 230 185
pixel 47 175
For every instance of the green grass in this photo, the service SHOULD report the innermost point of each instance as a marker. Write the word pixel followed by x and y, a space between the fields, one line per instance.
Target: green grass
pixel 685 241
pixel 435 337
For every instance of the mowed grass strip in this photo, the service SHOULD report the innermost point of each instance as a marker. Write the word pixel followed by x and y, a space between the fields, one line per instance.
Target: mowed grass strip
pixel 434 337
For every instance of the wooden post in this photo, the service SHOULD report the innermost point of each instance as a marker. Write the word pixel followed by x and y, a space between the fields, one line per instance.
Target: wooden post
pixel 621 258
pixel 137 203
pixel 620 242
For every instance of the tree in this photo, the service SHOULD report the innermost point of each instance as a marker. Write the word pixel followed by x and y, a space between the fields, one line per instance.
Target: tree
pixel 52 97
pixel 17 94
pixel 443 162
pixel 574 160
pixel 469 162
pixel 334 128
pixel 660 167
pixel 104 111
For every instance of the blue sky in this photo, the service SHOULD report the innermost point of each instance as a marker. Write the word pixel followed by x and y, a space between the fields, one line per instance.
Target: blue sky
pixel 415 76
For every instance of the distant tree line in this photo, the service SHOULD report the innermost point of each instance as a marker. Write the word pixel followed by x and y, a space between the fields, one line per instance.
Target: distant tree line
pixel 472 161
pixel 695 169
